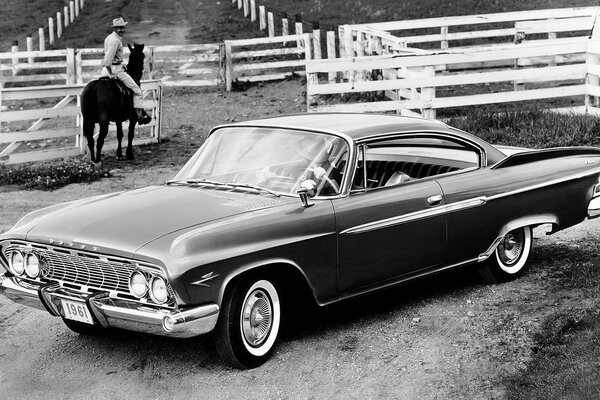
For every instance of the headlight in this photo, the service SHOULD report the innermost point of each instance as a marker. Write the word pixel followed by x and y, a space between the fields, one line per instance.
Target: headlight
pixel 16 263
pixel 32 265
pixel 138 285
pixel 158 290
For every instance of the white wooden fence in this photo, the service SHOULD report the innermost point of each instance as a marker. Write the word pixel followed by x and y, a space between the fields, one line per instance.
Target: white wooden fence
pixel 266 59
pixel 53 31
pixel 30 133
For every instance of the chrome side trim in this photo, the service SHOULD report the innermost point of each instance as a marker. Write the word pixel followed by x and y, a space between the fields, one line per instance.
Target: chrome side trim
pixel 485 255
pixel 414 216
pixel 548 183
pixel 400 281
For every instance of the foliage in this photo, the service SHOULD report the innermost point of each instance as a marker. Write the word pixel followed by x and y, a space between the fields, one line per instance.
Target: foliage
pixel 50 176
pixel 530 127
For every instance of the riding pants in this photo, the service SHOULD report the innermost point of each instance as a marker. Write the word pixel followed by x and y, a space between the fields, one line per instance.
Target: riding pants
pixel 119 72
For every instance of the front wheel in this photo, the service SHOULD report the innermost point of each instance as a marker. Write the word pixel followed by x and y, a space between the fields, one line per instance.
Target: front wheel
pixel 249 323
pixel 509 260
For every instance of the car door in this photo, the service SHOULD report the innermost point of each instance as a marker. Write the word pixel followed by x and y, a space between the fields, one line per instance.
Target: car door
pixel 385 232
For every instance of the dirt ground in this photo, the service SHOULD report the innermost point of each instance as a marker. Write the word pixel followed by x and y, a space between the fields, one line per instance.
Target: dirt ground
pixel 450 336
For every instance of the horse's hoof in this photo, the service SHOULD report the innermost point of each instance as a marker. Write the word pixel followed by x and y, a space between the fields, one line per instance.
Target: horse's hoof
pixel 130 157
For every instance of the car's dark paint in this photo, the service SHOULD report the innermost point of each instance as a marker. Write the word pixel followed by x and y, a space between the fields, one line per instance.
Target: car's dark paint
pixel 367 257
pixel 210 238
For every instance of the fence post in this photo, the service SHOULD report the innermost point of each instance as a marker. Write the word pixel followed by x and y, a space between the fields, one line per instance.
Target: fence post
pixel 592 78
pixel 58 25
pixel 428 95
pixel 298 28
pixel 29 41
pixel 15 59
pixel 151 62
pixel 311 78
pixel 70 66
pixel 50 30
pixel 76 8
pixel 262 15
pixel 316 34
pixel 228 66
pixel 331 54
pixel 42 39
pixel 246 10
pixel 66 16
pixel 271 24
pixel 348 41
pixel 239 4
pixel 252 10
pixel 444 33
pixel 285 25
pixel 78 67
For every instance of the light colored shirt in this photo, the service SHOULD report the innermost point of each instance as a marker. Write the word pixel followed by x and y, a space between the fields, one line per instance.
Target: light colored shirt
pixel 113 50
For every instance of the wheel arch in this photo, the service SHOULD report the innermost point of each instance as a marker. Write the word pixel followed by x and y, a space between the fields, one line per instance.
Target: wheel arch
pixel 276 269
pixel 531 220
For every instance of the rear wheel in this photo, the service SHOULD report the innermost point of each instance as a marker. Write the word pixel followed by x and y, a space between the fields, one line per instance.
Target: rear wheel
pixel 83 328
pixel 249 323
pixel 509 260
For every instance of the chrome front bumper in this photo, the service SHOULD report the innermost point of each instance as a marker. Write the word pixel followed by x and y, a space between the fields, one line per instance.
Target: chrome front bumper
pixel 115 313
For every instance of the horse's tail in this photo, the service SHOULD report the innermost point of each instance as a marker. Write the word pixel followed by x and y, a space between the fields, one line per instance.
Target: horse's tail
pixel 89 102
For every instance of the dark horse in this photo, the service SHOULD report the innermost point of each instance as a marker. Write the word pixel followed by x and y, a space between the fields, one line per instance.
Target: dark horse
pixel 103 101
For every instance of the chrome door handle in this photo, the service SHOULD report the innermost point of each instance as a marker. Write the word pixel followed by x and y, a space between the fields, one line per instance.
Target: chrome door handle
pixel 434 200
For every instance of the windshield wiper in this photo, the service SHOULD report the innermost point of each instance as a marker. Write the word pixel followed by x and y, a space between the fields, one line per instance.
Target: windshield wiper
pixel 255 187
pixel 217 183
pixel 197 181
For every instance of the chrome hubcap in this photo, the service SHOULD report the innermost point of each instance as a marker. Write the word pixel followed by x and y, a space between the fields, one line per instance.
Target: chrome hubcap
pixel 257 318
pixel 511 248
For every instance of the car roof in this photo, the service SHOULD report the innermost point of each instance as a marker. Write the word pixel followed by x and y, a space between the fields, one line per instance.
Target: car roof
pixel 360 126
pixel 356 126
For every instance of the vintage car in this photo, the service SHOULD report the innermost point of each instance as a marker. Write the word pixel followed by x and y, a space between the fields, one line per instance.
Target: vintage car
pixel 331 205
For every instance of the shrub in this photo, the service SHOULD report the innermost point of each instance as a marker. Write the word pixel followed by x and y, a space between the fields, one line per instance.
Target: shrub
pixel 50 176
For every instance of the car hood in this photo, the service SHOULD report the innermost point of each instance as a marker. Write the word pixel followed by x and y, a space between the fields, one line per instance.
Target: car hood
pixel 124 222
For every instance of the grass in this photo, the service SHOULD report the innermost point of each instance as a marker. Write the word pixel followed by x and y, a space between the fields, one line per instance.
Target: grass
pixel 565 363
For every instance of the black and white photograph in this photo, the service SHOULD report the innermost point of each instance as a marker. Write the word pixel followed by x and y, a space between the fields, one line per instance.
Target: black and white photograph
pixel 300 199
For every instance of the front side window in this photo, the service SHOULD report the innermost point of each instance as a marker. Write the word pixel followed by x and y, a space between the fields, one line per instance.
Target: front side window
pixel 272 158
pixel 397 161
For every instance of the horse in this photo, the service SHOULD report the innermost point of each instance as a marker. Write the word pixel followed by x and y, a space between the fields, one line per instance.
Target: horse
pixel 102 101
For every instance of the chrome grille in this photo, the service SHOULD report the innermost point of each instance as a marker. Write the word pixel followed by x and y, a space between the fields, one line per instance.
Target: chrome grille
pixel 86 269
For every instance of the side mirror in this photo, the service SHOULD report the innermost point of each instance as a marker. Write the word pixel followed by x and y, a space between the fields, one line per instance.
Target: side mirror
pixel 307 190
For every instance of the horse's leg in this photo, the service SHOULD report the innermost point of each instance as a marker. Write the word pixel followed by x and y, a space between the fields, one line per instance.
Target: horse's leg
pixel 88 132
pixel 131 131
pixel 119 139
pixel 100 142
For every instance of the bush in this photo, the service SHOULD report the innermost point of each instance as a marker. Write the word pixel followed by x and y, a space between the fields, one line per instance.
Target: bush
pixel 50 176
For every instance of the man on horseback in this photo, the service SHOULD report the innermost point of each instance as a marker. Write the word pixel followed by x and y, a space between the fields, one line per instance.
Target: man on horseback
pixel 112 66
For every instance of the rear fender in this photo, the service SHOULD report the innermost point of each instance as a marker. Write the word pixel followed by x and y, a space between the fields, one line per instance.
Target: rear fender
pixel 533 221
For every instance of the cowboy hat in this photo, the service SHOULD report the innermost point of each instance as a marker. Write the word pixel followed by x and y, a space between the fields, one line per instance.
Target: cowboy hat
pixel 119 22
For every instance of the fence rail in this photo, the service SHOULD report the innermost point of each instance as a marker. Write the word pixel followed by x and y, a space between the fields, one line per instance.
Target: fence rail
pixel 410 82
pixel 61 135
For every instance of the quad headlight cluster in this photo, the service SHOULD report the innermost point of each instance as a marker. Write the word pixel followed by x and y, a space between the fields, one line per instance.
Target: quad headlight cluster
pixel 24 263
pixel 142 284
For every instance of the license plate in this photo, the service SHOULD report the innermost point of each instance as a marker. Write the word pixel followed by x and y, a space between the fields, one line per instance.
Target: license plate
pixel 77 311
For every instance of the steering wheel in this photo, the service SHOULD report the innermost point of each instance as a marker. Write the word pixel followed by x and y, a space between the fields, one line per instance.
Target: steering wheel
pixel 325 180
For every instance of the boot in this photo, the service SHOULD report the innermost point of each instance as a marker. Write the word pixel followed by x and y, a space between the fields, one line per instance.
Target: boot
pixel 142 117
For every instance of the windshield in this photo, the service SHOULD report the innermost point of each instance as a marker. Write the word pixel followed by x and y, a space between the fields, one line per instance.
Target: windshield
pixel 271 158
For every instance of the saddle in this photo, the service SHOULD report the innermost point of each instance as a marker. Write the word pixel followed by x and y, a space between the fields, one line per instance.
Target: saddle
pixel 125 91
